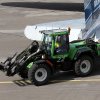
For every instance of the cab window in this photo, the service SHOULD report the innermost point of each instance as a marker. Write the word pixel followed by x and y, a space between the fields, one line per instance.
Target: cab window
pixel 61 44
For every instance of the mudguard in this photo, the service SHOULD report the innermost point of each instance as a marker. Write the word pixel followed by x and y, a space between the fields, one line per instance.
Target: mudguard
pixel 44 61
pixel 49 63
pixel 84 51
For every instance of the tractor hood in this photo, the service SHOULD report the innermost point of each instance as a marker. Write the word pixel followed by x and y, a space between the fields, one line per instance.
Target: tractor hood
pixel 77 43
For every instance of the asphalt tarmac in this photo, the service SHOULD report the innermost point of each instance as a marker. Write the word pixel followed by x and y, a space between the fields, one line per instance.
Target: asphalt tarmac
pixel 14 16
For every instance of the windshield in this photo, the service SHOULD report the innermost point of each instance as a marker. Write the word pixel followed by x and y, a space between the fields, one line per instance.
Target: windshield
pixel 47 39
pixel 47 42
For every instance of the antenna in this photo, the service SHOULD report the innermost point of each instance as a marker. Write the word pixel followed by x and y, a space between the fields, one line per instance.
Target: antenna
pixel 36 27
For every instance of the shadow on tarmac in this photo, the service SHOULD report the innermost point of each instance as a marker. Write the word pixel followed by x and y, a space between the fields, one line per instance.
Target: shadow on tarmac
pixel 59 77
pixel 47 5
pixel 22 82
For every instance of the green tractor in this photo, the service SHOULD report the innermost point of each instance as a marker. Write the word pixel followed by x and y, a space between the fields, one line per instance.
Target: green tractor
pixel 60 54
pixel 57 53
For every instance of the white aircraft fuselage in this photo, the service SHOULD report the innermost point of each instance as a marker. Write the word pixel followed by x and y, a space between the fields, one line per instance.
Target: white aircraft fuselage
pixel 92 19
pixel 32 32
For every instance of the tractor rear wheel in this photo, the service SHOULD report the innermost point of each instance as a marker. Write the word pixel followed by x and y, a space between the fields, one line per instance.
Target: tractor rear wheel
pixel 39 74
pixel 83 66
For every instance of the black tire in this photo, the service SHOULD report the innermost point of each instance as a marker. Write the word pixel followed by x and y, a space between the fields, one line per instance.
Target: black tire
pixel 83 66
pixel 36 73
pixel 23 73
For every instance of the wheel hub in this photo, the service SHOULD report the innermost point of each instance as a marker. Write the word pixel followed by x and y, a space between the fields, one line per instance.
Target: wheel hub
pixel 85 66
pixel 41 74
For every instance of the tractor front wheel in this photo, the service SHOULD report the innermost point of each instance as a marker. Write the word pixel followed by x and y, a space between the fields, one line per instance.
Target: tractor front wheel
pixel 39 74
pixel 83 66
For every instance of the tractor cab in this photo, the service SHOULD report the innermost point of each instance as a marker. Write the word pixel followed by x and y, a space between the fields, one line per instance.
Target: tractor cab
pixel 56 43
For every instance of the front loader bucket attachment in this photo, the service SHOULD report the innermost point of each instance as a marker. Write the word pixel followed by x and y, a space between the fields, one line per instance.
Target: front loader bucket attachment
pixel 13 65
